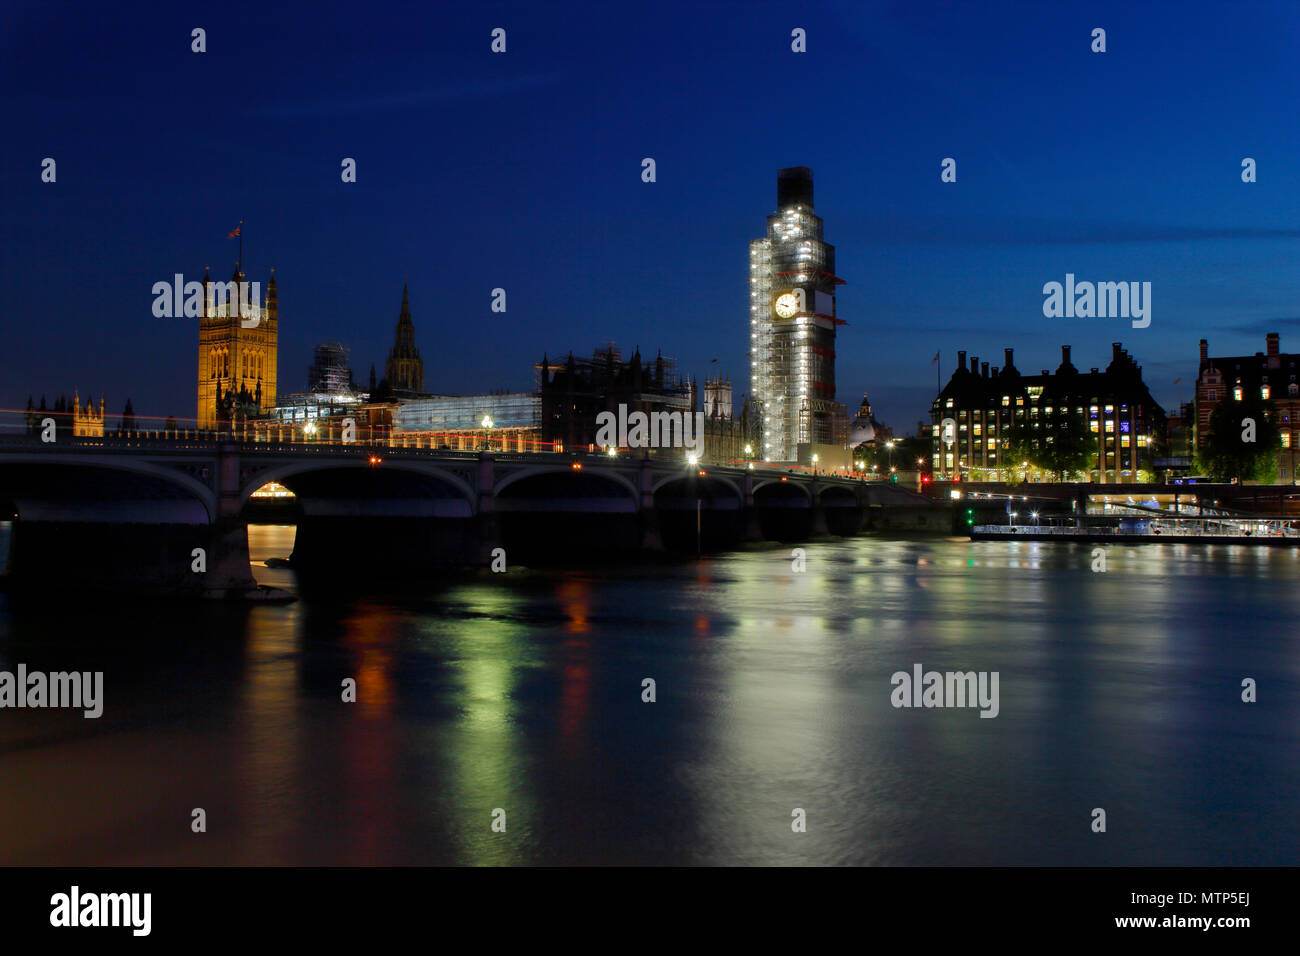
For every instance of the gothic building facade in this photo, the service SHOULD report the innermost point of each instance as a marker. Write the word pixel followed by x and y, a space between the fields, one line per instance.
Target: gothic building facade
pixel 237 351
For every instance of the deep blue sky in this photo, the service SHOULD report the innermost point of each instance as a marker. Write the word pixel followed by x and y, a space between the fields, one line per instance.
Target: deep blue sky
pixel 522 171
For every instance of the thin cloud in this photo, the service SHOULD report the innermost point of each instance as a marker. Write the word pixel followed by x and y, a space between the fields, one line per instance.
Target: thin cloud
pixel 1261 326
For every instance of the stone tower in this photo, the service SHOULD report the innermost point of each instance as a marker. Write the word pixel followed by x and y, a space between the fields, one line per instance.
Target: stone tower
pixel 238 338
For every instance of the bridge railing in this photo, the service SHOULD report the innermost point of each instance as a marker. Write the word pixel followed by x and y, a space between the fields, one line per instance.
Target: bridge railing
pixel 210 442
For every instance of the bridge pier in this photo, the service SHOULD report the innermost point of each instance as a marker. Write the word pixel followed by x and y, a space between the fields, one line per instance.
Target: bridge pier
pixel 751 528
pixel 487 526
pixel 647 516
pixel 818 527
pixel 93 557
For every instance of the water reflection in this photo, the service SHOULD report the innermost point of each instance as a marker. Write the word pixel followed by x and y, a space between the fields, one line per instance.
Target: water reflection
pixel 523 693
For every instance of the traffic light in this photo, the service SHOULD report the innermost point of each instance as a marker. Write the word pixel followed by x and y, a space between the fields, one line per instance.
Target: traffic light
pixel 970 516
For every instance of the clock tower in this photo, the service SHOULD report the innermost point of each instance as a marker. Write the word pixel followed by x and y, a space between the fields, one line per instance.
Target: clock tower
pixel 792 323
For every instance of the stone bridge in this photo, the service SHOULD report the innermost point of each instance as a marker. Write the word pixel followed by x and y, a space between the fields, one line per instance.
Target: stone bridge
pixel 170 516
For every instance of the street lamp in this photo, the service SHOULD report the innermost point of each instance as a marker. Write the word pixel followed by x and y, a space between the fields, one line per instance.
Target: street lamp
pixel 309 430
pixel 890 446
pixel 815 466
pixel 487 424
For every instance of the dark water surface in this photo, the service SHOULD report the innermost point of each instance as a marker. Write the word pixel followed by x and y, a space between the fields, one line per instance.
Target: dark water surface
pixel 1118 690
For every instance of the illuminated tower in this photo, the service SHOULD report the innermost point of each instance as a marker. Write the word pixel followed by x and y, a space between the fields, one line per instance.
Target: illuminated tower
pixel 237 346
pixel 792 323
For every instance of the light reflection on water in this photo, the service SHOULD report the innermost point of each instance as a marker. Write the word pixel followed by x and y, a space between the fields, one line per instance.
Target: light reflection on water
pixel 523 692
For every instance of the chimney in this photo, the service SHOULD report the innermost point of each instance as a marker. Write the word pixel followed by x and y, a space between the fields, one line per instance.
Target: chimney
pixel 984 369
pixel 1065 355
pixel 961 360
pixel 995 371
pixel 975 364
pixel 1115 351
pixel 1205 349
pixel 1008 363
pixel 1271 339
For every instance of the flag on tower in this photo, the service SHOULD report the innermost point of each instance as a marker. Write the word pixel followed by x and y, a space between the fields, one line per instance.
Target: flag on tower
pixel 935 359
pixel 235 234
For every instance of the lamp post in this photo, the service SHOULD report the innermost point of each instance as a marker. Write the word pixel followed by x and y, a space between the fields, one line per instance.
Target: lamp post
pixel 890 446
pixel 814 460
pixel 487 424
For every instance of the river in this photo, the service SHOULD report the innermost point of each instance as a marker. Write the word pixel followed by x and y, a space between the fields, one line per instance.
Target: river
pixel 523 693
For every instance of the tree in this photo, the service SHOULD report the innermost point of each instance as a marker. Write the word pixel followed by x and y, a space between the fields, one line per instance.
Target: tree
pixel 1242 443
pixel 1060 444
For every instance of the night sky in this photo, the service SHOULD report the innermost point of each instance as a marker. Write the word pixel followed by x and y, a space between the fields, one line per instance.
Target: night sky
pixel 522 171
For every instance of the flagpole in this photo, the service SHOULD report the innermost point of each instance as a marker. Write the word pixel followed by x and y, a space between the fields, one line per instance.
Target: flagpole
pixel 241 246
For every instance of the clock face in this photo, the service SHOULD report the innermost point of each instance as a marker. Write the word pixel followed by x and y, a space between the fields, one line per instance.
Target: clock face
pixel 786 305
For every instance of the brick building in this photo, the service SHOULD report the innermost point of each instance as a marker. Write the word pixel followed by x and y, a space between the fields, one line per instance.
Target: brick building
pixel 1269 375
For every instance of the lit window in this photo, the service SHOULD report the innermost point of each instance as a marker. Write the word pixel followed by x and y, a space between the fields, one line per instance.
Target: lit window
pixel 1093 425
pixel 1110 424
pixel 1286 439
pixel 1236 393
pixel 1006 400
pixel 1264 392
pixel 1123 440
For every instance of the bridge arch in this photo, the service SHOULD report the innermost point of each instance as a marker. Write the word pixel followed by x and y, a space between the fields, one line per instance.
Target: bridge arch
pixel 189 485
pixel 286 472
pixel 587 472
pixel 710 478
pixel 804 487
